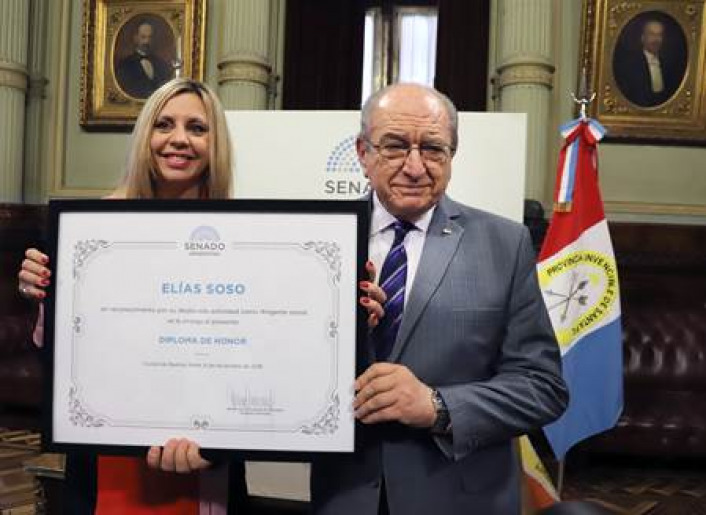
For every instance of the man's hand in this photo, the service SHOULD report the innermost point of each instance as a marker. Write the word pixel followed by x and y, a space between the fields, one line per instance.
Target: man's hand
pixel 177 455
pixel 389 392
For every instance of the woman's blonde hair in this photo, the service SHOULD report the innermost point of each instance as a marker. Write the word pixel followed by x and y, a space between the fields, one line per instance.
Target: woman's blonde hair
pixel 140 173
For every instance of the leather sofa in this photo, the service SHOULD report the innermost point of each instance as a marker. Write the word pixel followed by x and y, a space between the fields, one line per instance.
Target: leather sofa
pixel 663 287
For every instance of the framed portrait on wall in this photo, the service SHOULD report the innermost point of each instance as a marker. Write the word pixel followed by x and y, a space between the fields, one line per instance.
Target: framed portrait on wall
pixel 645 62
pixel 131 48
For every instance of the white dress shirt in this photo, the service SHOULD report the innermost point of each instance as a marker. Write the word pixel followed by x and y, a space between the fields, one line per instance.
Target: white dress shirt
pixel 146 65
pixel 655 72
pixel 382 237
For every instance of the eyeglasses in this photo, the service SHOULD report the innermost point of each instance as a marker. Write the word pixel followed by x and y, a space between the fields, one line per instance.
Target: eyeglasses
pixel 399 151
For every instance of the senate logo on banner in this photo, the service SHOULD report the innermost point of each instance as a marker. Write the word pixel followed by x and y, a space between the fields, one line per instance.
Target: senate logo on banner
pixel 343 158
pixel 344 175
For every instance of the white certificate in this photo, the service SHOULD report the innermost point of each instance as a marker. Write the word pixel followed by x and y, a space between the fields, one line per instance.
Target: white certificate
pixel 231 323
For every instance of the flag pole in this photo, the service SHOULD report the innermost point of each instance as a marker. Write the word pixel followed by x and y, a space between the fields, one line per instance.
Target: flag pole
pixel 583 99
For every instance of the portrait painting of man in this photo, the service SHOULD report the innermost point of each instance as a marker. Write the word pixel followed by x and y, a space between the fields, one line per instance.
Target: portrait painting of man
pixel 650 59
pixel 144 51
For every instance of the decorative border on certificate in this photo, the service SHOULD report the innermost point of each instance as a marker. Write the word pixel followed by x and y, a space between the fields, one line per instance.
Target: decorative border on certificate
pixel 206 350
pixel 325 421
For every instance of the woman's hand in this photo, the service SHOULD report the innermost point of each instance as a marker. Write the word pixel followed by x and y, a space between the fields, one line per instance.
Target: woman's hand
pixel 374 297
pixel 178 455
pixel 34 275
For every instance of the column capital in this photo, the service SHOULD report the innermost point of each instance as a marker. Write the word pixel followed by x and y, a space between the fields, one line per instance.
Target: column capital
pixel 244 68
pixel 525 70
pixel 13 75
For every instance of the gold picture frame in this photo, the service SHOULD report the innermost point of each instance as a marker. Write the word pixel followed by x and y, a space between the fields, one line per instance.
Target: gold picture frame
pixel 131 47
pixel 645 62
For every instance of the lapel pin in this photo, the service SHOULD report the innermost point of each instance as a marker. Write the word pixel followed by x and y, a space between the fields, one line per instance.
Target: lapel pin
pixel 446 230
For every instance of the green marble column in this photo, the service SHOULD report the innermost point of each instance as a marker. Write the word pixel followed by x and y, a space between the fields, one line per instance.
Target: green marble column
pixel 525 75
pixel 14 34
pixel 34 179
pixel 244 63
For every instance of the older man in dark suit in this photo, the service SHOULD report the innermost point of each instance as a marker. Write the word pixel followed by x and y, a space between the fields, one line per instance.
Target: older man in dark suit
pixel 464 357
pixel 142 72
pixel 646 76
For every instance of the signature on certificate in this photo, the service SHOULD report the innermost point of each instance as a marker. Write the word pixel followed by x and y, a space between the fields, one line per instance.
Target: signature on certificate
pixel 247 401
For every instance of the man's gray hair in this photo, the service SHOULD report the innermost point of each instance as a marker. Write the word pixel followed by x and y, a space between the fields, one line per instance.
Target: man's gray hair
pixel 373 100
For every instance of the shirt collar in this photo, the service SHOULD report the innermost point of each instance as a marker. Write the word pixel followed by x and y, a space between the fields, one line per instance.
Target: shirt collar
pixel 382 219
pixel 651 57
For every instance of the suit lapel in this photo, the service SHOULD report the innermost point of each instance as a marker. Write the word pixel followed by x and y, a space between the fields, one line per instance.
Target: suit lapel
pixel 440 246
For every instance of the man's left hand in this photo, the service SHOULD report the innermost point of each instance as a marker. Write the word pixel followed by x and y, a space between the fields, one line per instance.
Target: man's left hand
pixel 389 392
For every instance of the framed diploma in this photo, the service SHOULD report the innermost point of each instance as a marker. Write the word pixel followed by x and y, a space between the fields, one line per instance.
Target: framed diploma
pixel 232 323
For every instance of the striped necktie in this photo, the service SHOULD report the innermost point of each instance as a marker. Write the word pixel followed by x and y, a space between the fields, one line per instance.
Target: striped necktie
pixel 393 279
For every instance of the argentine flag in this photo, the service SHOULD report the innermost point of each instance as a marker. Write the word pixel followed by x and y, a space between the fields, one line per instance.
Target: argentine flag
pixel 579 281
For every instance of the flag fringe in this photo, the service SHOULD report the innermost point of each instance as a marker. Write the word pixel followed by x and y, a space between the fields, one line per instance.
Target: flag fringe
pixel 562 207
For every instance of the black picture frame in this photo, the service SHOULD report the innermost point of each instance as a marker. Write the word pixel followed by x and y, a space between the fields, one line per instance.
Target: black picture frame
pixel 57 208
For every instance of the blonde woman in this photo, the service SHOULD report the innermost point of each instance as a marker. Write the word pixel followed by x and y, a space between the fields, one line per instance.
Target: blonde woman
pixel 180 149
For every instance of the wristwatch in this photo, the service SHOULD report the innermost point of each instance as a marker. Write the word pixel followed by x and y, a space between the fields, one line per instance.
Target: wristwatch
pixel 442 423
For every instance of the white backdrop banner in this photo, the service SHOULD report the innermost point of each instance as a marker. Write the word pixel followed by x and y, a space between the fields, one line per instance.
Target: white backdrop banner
pixel 311 155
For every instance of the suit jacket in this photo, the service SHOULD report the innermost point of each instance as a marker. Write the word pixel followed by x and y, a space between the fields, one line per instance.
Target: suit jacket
pixel 134 81
pixel 475 327
pixel 632 74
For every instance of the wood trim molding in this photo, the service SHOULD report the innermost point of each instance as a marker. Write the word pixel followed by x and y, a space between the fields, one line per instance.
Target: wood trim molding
pixel 645 208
